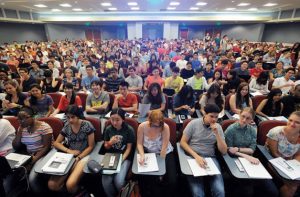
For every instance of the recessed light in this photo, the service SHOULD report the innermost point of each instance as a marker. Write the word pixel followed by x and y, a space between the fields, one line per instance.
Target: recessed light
pixel 270 4
pixel 55 10
pixel 243 4
pixel 132 3
pixel 171 8
pixel 230 9
pixel 232 1
pixel 40 6
pixel 77 9
pixel 66 5
pixel 252 9
pixel 201 3
pixel 174 3
pixel 194 8
pixel 135 8
pixel 106 4
pixel 112 9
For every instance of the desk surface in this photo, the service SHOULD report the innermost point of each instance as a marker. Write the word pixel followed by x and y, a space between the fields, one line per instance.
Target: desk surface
pixel 230 162
pixel 38 168
pixel 161 166
pixel 184 165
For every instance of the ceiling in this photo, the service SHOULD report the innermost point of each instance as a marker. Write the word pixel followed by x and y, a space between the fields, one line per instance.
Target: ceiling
pixel 148 5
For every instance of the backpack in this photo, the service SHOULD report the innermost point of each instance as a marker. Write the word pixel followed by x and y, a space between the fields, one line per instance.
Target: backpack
pixel 131 189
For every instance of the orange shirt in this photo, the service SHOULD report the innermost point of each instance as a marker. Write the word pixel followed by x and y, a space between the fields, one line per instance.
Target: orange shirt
pixel 151 79
pixel 64 103
pixel 255 72
pixel 128 101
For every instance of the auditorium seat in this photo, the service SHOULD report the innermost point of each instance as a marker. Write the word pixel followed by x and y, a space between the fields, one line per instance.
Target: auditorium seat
pixel 97 125
pixel 172 126
pixel 226 123
pixel 257 100
pixel 264 127
pixel 13 121
pixel 55 123
pixel 83 97
pixel 56 96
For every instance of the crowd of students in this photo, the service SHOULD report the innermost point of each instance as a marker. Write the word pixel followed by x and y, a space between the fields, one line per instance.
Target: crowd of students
pixel 181 75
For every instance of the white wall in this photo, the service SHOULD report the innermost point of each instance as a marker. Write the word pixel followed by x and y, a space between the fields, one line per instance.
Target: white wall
pixel 139 30
pixel 171 30
pixel 131 30
pixel 61 32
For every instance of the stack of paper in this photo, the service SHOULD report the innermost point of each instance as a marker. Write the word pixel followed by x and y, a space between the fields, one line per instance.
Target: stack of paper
pixel 128 115
pixel 291 167
pixel 144 109
pixel 256 93
pixel 18 158
pixel 58 163
pixel 255 170
pixel 280 118
pixel 236 116
pixel 150 163
pixel 211 168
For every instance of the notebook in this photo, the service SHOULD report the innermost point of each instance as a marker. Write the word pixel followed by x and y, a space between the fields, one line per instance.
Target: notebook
pixel 110 161
pixel 58 163
pixel 15 159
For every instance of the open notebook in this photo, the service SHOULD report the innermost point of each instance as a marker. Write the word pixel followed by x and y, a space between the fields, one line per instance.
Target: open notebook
pixel 210 169
pixel 289 167
pixel 150 163
pixel 58 163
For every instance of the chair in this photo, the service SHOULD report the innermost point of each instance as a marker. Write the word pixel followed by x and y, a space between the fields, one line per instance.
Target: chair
pixel 172 125
pixel 264 127
pixel 227 98
pixel 138 98
pixel 111 101
pixel 13 121
pixel 83 97
pixel 97 125
pixel 257 100
pixel 131 121
pixel 55 97
pixel 184 124
pixel 55 123
pixel 227 123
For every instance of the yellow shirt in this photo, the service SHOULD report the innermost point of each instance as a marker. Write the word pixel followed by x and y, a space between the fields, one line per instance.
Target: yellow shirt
pixel 175 84
pixel 109 65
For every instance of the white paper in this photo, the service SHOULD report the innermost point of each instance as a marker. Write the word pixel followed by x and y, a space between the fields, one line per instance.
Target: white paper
pixel 291 167
pixel 236 116
pixel 60 116
pixel 144 109
pixel 253 170
pixel 58 163
pixel 21 159
pixel 280 118
pixel 108 115
pixel 150 163
pixel 127 115
pixel 256 93
pixel 211 168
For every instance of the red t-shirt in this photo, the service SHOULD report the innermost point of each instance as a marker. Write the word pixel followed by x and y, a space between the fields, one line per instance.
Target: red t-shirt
pixel 128 101
pixel 151 79
pixel 64 103
pixel 255 72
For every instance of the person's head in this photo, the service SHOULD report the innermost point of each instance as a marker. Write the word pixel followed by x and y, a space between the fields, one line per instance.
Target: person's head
pixel 11 87
pixel 294 121
pixel 68 62
pixel 182 55
pixel 297 91
pixel 244 65
pixel 97 86
pixel 175 72
pixel 189 65
pixel 155 71
pixel 68 73
pixel 231 74
pixel 48 73
pixel 131 71
pixel 74 114
pixel 211 113
pixel 123 87
pixel 116 64
pixel 208 66
pixel 3 75
pixel 279 65
pixel 35 64
pixel 243 89
pixel 275 95
pixel 50 64
pixel 154 89
pixel 247 115
pixel 199 73
pixel 113 73
pixel 89 70
pixel 124 56
pixel 214 91
pixel 195 56
pixel 172 65
pixel 25 117
pixel 117 117
pixel 258 65
pixel 289 72
pixel 85 61
pixel 36 90
pixel 263 78
pixel 23 72
pixel 186 92
pixel 224 63
pixel 136 60
pixel 156 119
pixel 217 75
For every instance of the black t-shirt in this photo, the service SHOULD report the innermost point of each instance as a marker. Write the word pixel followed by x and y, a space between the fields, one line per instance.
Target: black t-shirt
pixel 14 111
pixel 290 104
pixel 185 74
pixel 28 83
pixel 47 86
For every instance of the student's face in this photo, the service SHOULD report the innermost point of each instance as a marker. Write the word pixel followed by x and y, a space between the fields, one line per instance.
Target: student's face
pixel 229 76
pixel 293 122
pixel 50 65
pixel 68 74
pixel 123 90
pixel 259 65
pixel 3 76
pixel 214 94
pixel 131 72
pixel 244 66
pixel 23 73
pixel 290 73
pixel 25 119
pixel 34 65
pixel 245 118
pixel 211 118
pixel 89 71
pixel 154 91
pixel 279 65
pixel 116 121
pixel 114 74
pixel 277 97
pixel 175 74
pixel 189 66
pixel 297 92
pixel 116 65
pixel 10 89
pixel 36 92
pixel 155 72
pixel 72 119
pixel 217 75
pixel 68 91
pixel 244 91
pixel 96 87
pixel 135 61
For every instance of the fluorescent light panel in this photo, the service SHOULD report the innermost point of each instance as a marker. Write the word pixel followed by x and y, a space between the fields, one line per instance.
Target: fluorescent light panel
pixel 243 4
pixel 132 3
pixel 77 9
pixel 106 4
pixel 66 5
pixel 112 9
pixel 55 10
pixel 40 6
pixel 252 9
pixel 174 3
pixel 194 8
pixel 171 8
pixel 201 3
pixel 135 8
pixel 230 9
pixel 270 4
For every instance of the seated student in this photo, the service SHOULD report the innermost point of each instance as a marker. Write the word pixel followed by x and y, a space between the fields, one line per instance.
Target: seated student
pixel 255 72
pixel 240 138
pixel 7 135
pixel 102 71
pixel 113 82
pixel 187 72
pixel 198 81
pixel 243 72
pixel 184 101
pixel 41 103
pixel 13 100
pixel 69 79
pixel 174 82
pixel 155 97
pixel 272 105
pixel 168 70
pixel 285 83
pixel 240 99
pixel 119 137
pixel 217 78
pixel 291 102
pixel 49 83
pixel 119 69
pixel 26 80
pixel 285 58
pixel 233 83
pixel 69 99
pixel 87 81
pixel 154 78
pixel 98 101
pixel 135 82
pixel 55 71
pixel 37 137
pixel 35 71
pixel 277 72
pixel 200 139
pixel 208 72
pixel 260 84
pixel 213 96
pixel 283 141
pixel 82 70
pixel 125 100
pixel 68 65
pixel 77 138
pixel 153 136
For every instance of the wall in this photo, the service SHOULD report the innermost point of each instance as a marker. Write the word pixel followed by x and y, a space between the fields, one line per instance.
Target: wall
pixel 21 32
pixel 170 30
pixel 113 31
pixel 282 32
pixel 61 32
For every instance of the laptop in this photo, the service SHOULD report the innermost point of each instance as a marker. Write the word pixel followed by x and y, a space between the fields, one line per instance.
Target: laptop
pixel 110 161
pixel 15 160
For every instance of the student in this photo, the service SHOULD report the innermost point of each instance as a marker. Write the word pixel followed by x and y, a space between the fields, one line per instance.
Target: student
pixel 217 78
pixel 240 99
pixel 68 65
pixel 233 83
pixel 7 135
pixel 119 137
pixel 113 82
pixel 87 81
pixel 79 137
pixel 37 138
pixel 155 97
pixel 188 71
pixel 154 78
pixel 277 72
pixel 200 139
pixel 272 105
pixel 69 99
pixel 26 80
pixel 35 71
pixel 55 71
pixel 174 82
pixel 261 83
pixel 285 83
pixel 198 81
pixel 69 79
pixel 41 103
pixel 184 101
pixel 119 69
pixel 125 100
pixel 255 72
pixel 213 96
pixel 135 82
pixel 243 72
pixel 153 136
pixel 49 83
pixel 208 72
pixel 283 141
pixel 99 100
pixel 291 102
pixel 168 70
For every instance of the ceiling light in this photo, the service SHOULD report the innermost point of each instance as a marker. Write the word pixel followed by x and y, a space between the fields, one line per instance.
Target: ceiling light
pixel 270 4
pixel 171 8
pixel 252 9
pixel 66 5
pixel 106 4
pixel 55 10
pixel 229 9
pixel 194 8
pixel 40 5
pixel 174 3
pixel 132 3
pixel 112 9
pixel 77 9
pixel 201 3
pixel 135 8
pixel 243 4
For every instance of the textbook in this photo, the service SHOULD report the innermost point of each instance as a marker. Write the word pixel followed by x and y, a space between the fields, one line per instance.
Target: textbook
pixel 150 163
pixel 210 168
pixel 253 170
pixel 16 160
pixel 291 168
pixel 58 163
pixel 110 161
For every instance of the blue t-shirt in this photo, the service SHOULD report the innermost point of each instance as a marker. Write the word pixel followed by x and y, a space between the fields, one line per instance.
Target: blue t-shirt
pixel 179 102
pixel 86 81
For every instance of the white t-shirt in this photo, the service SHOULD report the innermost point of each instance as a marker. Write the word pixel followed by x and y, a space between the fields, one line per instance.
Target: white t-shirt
pixel 7 135
pixel 282 81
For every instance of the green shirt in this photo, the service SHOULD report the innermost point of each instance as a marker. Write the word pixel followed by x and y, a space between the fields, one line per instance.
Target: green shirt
pixel 241 137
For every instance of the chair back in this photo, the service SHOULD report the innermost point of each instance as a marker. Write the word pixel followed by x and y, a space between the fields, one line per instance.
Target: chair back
pixel 97 125
pixel 172 125
pixel 83 97
pixel 227 98
pixel 264 127
pixel 226 123
pixel 56 124
pixel 257 100
pixel 13 121
pixel 55 97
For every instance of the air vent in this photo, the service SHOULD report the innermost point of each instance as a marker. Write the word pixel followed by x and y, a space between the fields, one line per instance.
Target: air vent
pixel 24 15
pixel 10 13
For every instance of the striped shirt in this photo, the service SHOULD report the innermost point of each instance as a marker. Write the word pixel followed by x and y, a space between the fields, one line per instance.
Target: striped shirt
pixel 34 141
